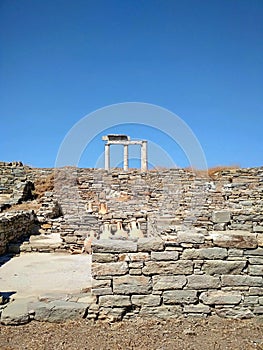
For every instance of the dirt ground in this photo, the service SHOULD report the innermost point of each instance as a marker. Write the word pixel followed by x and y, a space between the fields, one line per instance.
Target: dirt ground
pixel 212 333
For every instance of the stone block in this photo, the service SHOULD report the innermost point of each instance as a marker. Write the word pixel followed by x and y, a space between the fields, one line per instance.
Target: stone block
pixel 163 312
pixel 182 267
pixel 131 285
pixel 202 282
pixel 103 257
pixel 260 239
pixel 220 216
pixel 220 298
pixel 102 291
pixel 101 283
pixel 150 244
pixel 212 267
pixel 114 301
pixel 234 239
pixel 253 252
pixel 109 269
pixel 256 270
pixel 168 282
pixel 256 261
pixel 190 237
pixel 141 256
pixel 239 312
pixel 166 255
pixel 198 308
pixel 146 300
pixel 179 297
pixel 113 246
pixel 241 280
pixel 205 253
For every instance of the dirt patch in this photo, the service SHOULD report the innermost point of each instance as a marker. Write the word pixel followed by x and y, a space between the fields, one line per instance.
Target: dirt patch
pixel 190 334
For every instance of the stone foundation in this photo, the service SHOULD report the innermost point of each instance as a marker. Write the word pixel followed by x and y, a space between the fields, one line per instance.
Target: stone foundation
pixel 200 275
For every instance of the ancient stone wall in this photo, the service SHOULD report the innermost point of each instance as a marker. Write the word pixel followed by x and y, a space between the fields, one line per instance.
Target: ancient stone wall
pixel 193 274
pixel 14 225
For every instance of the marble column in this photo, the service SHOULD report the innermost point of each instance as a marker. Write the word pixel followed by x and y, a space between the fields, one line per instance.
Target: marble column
pixel 107 157
pixel 125 158
pixel 144 156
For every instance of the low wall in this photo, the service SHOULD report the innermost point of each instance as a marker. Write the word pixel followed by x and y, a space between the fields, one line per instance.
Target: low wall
pixel 14 225
pixel 193 274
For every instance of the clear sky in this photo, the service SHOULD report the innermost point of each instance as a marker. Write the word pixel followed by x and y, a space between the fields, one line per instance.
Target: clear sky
pixel 63 59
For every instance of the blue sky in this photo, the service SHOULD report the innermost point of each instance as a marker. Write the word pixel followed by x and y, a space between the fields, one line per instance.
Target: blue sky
pixel 63 59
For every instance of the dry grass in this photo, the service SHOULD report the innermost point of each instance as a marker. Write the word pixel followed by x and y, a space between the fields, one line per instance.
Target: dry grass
pixel 44 184
pixel 212 172
pixel 31 205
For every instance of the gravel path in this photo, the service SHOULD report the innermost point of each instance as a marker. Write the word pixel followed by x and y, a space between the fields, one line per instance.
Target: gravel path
pixel 190 334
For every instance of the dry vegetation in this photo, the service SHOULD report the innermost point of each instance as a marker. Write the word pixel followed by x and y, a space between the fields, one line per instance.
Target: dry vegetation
pixel 180 333
pixel 44 184
pixel 30 205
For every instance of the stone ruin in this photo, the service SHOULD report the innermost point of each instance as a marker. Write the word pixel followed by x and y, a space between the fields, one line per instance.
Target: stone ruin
pixel 164 243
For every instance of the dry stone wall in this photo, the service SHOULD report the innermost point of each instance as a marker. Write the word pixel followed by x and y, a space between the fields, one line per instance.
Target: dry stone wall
pixel 13 226
pixel 193 274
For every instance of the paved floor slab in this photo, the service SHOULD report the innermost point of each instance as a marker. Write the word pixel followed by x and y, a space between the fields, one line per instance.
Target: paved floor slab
pixel 35 274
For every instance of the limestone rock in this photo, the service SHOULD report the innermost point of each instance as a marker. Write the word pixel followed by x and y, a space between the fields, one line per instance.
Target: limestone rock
pixel 131 285
pixel 150 244
pixel 234 239
pixel 114 301
pixel 205 253
pixel 169 282
pixel 220 216
pixel 146 300
pixel 202 282
pixel 109 269
pixel 179 297
pixel 168 267
pixel 113 246
pixel 220 298
pixel 212 267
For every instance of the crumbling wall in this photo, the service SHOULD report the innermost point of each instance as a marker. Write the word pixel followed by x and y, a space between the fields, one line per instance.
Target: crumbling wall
pixel 192 274
pixel 14 225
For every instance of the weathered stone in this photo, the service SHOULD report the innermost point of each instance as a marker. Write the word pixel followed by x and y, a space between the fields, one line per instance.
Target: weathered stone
pixel 256 261
pixel 190 237
pixel 103 257
pixel 114 301
pixel 102 291
pixel 168 267
pixel 235 252
pixel 241 280
pixel 131 285
pixel 256 291
pixel 163 312
pixel 146 300
pixel 198 308
pixel 258 228
pixel 141 256
pixel 109 269
pixel 258 310
pixel 16 313
pixel 202 282
pixel 58 311
pixel 168 282
pixel 234 239
pixel 220 216
pixel 205 253
pixel 256 270
pixel 260 239
pixel 212 267
pixel 166 255
pixel 220 298
pixel 242 313
pixel 179 297
pixel 113 246
pixel 150 244
pixel 101 283
pixel 252 252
